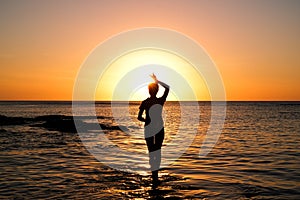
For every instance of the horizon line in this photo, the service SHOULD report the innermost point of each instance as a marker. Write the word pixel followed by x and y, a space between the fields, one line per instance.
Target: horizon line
pixel 142 100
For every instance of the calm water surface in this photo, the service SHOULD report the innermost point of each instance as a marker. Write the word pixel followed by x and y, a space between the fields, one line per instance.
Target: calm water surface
pixel 256 156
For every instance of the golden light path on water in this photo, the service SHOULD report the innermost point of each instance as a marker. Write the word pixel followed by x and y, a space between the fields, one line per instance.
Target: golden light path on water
pixel 152 58
pixel 125 62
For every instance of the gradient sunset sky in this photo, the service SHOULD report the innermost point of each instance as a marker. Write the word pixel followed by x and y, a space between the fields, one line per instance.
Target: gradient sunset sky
pixel 254 43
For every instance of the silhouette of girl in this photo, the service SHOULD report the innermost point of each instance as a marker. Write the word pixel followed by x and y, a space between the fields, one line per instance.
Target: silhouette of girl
pixel 154 127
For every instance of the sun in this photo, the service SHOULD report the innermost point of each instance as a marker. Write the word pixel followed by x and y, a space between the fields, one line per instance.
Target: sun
pixel 134 69
pixel 141 93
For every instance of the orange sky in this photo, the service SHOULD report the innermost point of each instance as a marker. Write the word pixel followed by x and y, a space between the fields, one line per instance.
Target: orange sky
pixel 254 43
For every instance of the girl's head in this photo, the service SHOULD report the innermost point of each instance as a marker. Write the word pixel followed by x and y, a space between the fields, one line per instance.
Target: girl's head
pixel 153 89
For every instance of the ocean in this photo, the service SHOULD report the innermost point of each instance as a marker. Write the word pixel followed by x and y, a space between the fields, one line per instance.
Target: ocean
pixel 256 156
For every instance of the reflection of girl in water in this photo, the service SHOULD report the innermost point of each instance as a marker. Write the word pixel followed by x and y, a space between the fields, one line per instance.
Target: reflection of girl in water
pixel 154 129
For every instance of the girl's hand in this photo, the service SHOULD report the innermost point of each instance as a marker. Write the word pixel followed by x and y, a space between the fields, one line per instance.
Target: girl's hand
pixel 154 77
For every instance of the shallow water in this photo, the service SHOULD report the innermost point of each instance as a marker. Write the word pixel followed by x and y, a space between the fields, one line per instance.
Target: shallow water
pixel 256 156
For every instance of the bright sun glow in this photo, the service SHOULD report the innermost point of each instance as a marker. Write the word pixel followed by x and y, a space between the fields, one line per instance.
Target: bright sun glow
pixel 152 59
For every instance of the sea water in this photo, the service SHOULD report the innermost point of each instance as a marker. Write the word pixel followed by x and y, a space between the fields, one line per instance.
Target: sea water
pixel 255 157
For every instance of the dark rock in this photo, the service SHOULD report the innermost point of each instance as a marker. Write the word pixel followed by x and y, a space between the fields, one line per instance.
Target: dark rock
pixel 56 123
pixel 60 123
pixel 13 120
